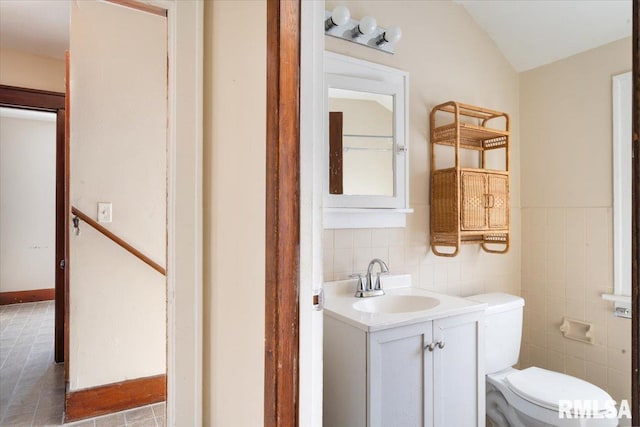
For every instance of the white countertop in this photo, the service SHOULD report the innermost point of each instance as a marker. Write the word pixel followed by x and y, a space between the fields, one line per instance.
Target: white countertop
pixel 339 301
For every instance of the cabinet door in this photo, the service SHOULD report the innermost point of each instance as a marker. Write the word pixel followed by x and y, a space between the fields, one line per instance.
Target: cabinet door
pixel 399 395
pixel 344 374
pixel 498 190
pixel 458 372
pixel 473 215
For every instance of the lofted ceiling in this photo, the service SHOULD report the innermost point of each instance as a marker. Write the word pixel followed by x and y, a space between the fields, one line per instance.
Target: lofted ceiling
pixel 40 27
pixel 531 33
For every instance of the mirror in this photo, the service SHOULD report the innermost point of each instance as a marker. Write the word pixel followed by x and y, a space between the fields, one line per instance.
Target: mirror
pixel 366 147
pixel 360 143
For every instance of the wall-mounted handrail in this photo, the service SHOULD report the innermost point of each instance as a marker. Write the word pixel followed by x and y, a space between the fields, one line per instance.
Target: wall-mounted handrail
pixel 126 246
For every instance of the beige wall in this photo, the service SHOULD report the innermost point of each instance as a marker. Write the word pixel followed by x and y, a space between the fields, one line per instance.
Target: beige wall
pixel 27 200
pixel 118 154
pixel 234 197
pixel 32 71
pixel 449 58
pixel 566 130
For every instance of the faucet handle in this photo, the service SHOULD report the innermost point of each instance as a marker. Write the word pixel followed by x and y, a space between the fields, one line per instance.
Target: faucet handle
pixel 377 284
pixel 362 283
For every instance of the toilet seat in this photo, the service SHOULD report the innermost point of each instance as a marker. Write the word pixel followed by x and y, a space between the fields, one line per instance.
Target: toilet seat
pixel 546 388
pixel 537 408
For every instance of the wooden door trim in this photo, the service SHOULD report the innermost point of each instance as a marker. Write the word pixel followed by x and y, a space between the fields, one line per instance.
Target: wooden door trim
pixel 67 209
pixel 62 237
pixel 42 100
pixel 33 99
pixel 635 248
pixel 282 214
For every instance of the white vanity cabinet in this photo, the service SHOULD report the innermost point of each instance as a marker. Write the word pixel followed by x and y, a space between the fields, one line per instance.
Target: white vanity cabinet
pixel 401 377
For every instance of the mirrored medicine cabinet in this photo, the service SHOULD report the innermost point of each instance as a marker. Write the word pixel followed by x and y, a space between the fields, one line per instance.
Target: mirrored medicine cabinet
pixel 366 144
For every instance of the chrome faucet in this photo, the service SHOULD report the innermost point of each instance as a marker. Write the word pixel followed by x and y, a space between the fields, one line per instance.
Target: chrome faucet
pixel 367 285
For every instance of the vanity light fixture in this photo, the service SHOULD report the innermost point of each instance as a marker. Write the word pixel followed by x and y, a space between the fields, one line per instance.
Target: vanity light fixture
pixel 392 35
pixel 339 16
pixel 338 23
pixel 366 26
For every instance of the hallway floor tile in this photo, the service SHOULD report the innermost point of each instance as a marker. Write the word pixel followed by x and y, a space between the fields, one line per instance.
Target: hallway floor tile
pixel 32 385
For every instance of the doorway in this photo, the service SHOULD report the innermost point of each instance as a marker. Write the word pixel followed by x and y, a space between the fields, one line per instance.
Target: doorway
pixel 635 347
pixel 34 240
pixel 184 210
pixel 21 99
pixel 143 359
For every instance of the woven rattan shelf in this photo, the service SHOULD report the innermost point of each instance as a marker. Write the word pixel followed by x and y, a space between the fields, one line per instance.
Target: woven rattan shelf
pixel 469 205
pixel 472 137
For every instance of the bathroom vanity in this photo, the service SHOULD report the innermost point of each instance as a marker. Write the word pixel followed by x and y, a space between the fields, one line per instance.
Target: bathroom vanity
pixel 408 358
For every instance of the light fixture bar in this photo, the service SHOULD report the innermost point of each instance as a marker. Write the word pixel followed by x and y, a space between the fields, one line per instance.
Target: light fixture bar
pixel 372 36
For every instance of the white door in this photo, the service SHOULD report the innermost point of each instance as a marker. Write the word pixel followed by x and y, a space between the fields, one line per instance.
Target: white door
pixel 311 143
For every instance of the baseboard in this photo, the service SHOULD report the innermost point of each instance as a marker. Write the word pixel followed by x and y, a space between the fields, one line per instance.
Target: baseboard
pixel 110 398
pixel 35 295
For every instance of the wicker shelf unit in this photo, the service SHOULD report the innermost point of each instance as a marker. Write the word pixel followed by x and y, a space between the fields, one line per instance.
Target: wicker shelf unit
pixel 469 205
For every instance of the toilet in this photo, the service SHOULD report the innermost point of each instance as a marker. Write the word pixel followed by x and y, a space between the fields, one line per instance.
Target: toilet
pixel 530 397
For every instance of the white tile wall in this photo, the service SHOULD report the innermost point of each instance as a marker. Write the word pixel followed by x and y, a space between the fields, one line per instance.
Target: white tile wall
pixel 567 264
pixel 407 250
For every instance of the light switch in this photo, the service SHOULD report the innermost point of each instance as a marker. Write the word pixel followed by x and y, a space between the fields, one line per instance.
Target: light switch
pixel 104 212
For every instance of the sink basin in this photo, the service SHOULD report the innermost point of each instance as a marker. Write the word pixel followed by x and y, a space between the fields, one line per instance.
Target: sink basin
pixel 396 304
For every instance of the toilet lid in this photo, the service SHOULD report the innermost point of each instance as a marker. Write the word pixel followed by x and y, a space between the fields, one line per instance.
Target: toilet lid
pixel 547 388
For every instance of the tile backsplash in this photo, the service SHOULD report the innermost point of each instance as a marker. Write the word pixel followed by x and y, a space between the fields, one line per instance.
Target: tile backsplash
pixel 407 251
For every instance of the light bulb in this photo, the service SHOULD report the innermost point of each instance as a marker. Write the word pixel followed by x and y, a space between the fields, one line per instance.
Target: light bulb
pixel 340 16
pixel 367 25
pixel 393 34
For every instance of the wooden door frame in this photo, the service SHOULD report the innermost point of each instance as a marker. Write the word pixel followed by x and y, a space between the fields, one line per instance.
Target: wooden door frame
pixel 282 253
pixel 54 102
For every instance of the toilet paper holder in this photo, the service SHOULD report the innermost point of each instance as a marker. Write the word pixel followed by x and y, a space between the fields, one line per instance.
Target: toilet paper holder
pixel 577 330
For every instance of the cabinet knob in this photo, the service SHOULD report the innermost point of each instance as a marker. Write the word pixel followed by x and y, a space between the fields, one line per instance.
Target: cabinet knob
pixel 430 347
pixel 440 344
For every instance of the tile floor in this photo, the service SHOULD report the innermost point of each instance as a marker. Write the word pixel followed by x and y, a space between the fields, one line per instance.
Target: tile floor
pixel 32 385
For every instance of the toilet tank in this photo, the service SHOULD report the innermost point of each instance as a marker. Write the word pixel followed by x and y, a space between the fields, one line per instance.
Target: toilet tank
pixel 503 330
